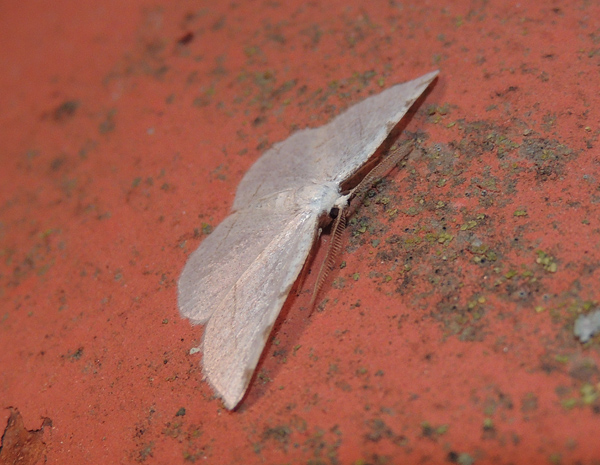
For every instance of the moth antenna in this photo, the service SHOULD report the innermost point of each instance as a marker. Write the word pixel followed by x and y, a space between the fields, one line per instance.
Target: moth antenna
pixel 335 246
pixel 339 224
pixel 382 168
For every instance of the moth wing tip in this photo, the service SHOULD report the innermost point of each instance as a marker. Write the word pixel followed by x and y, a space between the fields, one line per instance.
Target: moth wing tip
pixel 230 386
pixel 230 397
pixel 191 309
pixel 429 77
pixel 230 403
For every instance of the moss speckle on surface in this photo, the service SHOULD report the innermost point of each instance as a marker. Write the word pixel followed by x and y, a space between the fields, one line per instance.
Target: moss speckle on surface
pixel 547 261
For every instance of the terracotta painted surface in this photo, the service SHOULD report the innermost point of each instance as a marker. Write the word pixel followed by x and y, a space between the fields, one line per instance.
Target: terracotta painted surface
pixel 446 333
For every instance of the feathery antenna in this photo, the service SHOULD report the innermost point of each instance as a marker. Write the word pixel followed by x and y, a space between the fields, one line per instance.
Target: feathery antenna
pixel 339 223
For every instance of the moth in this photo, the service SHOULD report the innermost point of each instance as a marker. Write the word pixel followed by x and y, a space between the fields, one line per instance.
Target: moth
pixel 238 279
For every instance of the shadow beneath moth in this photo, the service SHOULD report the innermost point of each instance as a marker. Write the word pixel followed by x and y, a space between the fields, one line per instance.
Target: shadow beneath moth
pixel 238 279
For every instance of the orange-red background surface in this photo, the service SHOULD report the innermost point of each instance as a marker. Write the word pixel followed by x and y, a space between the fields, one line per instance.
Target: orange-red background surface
pixel 125 128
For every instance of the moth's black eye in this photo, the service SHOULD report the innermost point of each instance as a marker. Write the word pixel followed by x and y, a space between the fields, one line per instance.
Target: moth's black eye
pixel 334 212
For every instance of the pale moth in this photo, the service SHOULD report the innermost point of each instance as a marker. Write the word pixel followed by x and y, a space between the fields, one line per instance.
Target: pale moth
pixel 236 282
